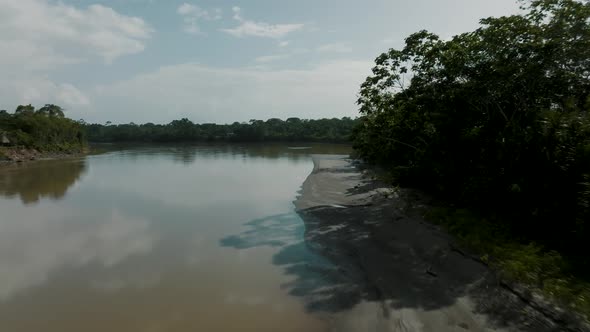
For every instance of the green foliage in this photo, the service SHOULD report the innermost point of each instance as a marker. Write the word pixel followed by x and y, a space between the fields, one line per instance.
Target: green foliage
pixel 495 119
pixel 45 130
pixel 293 129
pixel 51 110
pixel 547 271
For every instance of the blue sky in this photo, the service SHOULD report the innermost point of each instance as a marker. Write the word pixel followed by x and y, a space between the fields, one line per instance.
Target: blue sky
pixel 209 60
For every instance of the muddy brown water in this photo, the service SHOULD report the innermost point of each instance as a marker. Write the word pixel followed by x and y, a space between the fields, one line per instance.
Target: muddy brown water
pixel 168 238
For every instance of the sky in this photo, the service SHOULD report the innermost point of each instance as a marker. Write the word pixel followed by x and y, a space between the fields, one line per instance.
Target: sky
pixel 209 60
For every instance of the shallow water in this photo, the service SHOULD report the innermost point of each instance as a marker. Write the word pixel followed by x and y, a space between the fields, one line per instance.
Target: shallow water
pixel 168 238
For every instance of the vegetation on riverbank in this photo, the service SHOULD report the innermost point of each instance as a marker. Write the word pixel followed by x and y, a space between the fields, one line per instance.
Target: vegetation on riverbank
pixel 548 272
pixel 496 122
pixel 293 129
pixel 28 133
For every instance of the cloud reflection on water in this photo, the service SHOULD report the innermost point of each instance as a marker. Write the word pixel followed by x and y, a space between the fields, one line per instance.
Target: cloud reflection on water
pixel 38 242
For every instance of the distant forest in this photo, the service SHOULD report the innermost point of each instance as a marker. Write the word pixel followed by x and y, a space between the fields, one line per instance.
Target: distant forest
pixel 293 129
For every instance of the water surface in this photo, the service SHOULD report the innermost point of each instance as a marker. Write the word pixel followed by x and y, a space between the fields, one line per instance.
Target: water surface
pixel 168 238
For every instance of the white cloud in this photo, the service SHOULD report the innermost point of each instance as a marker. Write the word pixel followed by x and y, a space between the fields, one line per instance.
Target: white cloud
pixel 236 11
pixel 283 43
pixel 45 239
pixel 70 95
pixel 192 14
pixel 211 94
pixel 260 29
pixel 39 90
pixel 187 8
pixel 38 37
pixel 335 48
pixel 24 54
pixel 60 28
pixel 270 58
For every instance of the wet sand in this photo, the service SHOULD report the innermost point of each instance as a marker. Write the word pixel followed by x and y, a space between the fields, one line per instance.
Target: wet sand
pixel 396 272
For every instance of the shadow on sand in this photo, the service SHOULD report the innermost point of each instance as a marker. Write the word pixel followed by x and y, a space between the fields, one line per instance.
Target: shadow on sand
pixel 342 261
pixel 340 257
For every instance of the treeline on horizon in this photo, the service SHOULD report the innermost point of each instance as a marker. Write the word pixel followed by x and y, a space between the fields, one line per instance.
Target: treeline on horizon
pixel 495 120
pixel 45 129
pixel 293 129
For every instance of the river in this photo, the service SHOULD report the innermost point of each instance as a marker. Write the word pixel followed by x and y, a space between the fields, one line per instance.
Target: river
pixel 159 238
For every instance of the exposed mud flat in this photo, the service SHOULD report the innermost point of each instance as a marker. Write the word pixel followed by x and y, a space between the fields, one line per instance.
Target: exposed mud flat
pixel 396 272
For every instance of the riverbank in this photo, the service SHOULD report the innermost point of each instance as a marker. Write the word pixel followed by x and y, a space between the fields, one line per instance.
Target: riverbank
pixel 17 155
pixel 401 273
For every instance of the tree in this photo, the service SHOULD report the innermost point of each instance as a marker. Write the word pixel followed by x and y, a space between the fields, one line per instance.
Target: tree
pixel 51 110
pixel 45 130
pixel 499 114
pixel 24 110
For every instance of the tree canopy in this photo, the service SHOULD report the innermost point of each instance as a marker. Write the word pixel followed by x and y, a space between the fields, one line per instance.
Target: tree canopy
pixel 495 118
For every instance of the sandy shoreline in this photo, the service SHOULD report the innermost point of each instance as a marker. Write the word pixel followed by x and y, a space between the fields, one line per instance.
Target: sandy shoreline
pixel 10 156
pixel 398 272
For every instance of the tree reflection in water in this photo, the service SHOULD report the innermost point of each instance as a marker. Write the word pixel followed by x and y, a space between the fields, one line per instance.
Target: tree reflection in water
pixel 40 179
